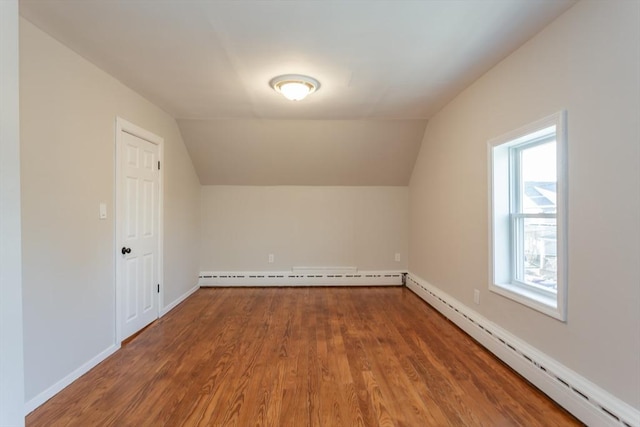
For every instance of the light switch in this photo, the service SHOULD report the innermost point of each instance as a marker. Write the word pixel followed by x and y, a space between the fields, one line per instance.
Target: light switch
pixel 103 211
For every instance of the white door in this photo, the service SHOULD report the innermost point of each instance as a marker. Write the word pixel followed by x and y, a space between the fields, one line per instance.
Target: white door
pixel 137 223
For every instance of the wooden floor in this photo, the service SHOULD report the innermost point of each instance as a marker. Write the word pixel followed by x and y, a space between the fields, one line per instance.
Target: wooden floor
pixel 301 357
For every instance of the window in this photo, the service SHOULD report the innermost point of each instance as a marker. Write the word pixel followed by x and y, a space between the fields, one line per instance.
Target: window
pixel 528 222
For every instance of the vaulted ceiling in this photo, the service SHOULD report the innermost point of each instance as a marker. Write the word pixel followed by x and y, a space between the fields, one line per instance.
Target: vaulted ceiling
pixel 385 67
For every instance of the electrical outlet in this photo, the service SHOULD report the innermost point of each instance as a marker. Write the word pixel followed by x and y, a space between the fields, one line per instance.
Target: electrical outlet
pixel 397 258
pixel 103 211
pixel 272 258
pixel 476 296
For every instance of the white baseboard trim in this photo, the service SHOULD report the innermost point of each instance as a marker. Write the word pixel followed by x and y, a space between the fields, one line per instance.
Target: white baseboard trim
pixel 178 300
pixel 57 387
pixel 297 278
pixel 588 402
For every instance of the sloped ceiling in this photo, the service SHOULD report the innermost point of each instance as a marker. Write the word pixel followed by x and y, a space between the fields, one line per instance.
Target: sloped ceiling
pixel 385 68
pixel 304 152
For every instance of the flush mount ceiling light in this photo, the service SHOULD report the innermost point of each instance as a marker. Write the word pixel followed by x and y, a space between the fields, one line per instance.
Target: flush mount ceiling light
pixel 294 87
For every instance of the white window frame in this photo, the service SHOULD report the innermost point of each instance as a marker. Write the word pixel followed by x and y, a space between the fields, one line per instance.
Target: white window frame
pixel 502 253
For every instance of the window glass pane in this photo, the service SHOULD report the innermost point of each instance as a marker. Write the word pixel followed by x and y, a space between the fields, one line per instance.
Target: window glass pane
pixel 528 221
pixel 538 178
pixel 539 253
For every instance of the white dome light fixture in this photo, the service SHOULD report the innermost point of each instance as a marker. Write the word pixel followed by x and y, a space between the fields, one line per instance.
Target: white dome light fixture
pixel 294 87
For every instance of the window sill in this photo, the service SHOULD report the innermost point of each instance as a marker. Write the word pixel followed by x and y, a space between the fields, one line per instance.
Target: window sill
pixel 544 304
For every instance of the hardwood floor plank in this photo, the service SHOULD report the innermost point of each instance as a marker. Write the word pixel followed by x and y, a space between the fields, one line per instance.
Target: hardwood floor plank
pixel 301 357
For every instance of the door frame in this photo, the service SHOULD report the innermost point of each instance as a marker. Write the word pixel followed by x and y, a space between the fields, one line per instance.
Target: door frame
pixel 123 125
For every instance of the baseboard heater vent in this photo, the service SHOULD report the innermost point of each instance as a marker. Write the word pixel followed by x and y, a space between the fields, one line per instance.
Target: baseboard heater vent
pixel 596 400
pixel 304 276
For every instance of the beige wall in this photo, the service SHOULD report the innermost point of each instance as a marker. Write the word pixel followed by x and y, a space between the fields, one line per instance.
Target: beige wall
pixel 588 62
pixel 11 355
pixel 303 226
pixel 68 111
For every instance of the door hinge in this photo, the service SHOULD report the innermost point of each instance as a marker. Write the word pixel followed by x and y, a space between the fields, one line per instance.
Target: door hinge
pixel 158 164
pixel 158 287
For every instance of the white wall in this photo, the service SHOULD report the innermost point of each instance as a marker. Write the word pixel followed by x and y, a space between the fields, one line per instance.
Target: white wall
pixel 68 111
pixel 303 226
pixel 11 363
pixel 587 61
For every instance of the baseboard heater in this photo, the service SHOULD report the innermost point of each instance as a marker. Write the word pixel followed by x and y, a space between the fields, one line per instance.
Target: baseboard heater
pixel 588 402
pixel 303 276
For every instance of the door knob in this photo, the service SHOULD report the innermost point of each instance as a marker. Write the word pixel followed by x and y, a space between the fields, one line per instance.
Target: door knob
pixel 126 250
